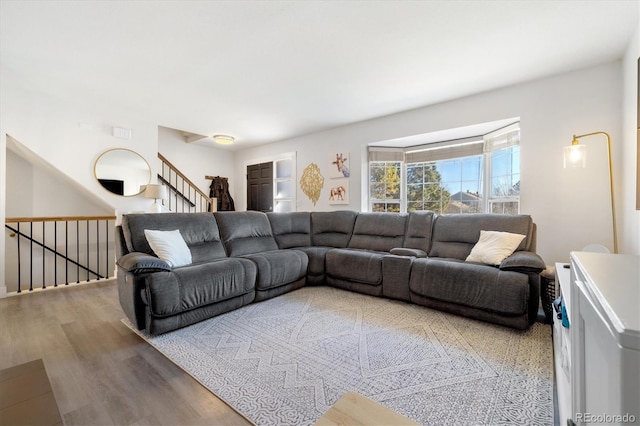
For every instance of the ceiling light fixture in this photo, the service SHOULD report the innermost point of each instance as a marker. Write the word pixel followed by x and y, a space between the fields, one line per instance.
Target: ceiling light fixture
pixel 223 139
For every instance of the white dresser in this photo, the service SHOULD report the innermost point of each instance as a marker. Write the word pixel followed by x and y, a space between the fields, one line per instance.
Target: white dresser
pixel 598 356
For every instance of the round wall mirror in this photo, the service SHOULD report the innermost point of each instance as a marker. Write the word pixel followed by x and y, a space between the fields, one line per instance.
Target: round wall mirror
pixel 122 172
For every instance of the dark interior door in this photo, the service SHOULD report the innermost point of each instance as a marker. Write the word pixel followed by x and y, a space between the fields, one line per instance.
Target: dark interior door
pixel 260 187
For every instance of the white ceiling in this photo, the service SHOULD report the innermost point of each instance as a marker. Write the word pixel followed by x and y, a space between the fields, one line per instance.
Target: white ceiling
pixel 264 71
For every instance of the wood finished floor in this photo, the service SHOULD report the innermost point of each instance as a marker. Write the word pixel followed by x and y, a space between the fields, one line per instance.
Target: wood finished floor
pixel 101 372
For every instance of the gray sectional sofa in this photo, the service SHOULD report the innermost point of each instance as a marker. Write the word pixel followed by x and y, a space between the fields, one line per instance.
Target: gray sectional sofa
pixel 244 257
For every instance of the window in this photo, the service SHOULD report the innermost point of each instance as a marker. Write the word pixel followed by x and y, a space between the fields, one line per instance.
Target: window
pixel 505 181
pixel 450 176
pixel 384 186
pixel 447 186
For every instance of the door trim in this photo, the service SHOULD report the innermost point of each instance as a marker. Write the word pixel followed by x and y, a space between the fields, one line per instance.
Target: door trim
pixel 284 156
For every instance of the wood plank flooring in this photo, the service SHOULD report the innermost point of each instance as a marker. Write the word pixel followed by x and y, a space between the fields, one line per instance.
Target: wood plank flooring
pixel 101 373
pixel 26 397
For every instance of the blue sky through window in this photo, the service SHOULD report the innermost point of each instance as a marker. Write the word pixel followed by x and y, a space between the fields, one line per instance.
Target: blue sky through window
pixel 461 174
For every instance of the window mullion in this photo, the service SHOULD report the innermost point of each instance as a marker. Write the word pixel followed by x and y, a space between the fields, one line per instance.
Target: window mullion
pixel 486 181
pixel 403 187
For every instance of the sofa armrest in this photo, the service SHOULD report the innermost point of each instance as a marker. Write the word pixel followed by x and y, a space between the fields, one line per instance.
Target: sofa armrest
pixel 523 261
pixel 401 251
pixel 396 271
pixel 137 263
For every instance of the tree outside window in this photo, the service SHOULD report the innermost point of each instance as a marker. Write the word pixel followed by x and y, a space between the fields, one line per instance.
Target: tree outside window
pixel 472 175
pixel 424 188
pixel 384 186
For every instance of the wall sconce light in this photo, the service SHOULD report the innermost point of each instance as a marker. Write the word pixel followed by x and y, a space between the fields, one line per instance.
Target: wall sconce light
pixel 223 139
pixel 156 192
pixel 575 155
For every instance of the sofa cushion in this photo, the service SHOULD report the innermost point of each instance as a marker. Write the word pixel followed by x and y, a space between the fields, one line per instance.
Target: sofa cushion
pixel 199 230
pixel 169 246
pixel 418 233
pixel 279 267
pixel 378 231
pixel 454 235
pixel 317 256
pixel 355 265
pixel 291 229
pixel 494 246
pixel 332 229
pixel 245 232
pixel 478 286
pixel 183 289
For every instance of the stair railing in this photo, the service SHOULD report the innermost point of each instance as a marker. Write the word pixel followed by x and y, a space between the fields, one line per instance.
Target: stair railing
pixel 184 195
pixel 51 251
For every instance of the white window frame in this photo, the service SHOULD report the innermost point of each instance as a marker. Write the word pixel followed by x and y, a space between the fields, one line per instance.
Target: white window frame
pixel 386 201
pixel 488 184
pixel 500 139
pixel 482 178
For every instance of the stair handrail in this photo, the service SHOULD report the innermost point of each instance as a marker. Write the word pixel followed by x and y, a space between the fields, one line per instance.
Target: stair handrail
pixel 186 179
pixel 57 218
pixel 177 191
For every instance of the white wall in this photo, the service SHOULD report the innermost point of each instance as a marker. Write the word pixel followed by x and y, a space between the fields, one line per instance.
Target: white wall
pixel 34 191
pixel 570 207
pixel 19 181
pixel 70 137
pixel 629 228
pixel 195 161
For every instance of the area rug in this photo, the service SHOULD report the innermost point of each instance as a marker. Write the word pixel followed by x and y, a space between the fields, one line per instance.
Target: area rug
pixel 286 360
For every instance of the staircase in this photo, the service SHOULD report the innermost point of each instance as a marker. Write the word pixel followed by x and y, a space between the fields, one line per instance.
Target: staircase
pixel 184 195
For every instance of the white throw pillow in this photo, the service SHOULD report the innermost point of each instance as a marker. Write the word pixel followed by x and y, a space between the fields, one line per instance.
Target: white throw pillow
pixel 493 247
pixel 169 246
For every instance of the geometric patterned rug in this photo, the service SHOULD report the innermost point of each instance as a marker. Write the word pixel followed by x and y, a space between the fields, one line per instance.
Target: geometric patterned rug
pixel 286 360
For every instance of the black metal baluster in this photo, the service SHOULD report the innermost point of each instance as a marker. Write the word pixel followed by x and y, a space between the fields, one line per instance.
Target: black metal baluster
pixel 169 191
pixel 31 257
pixel 43 254
pixel 19 272
pixel 55 254
pixel 183 193
pixel 77 252
pixel 98 248
pixel 87 254
pixel 106 229
pixel 66 251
